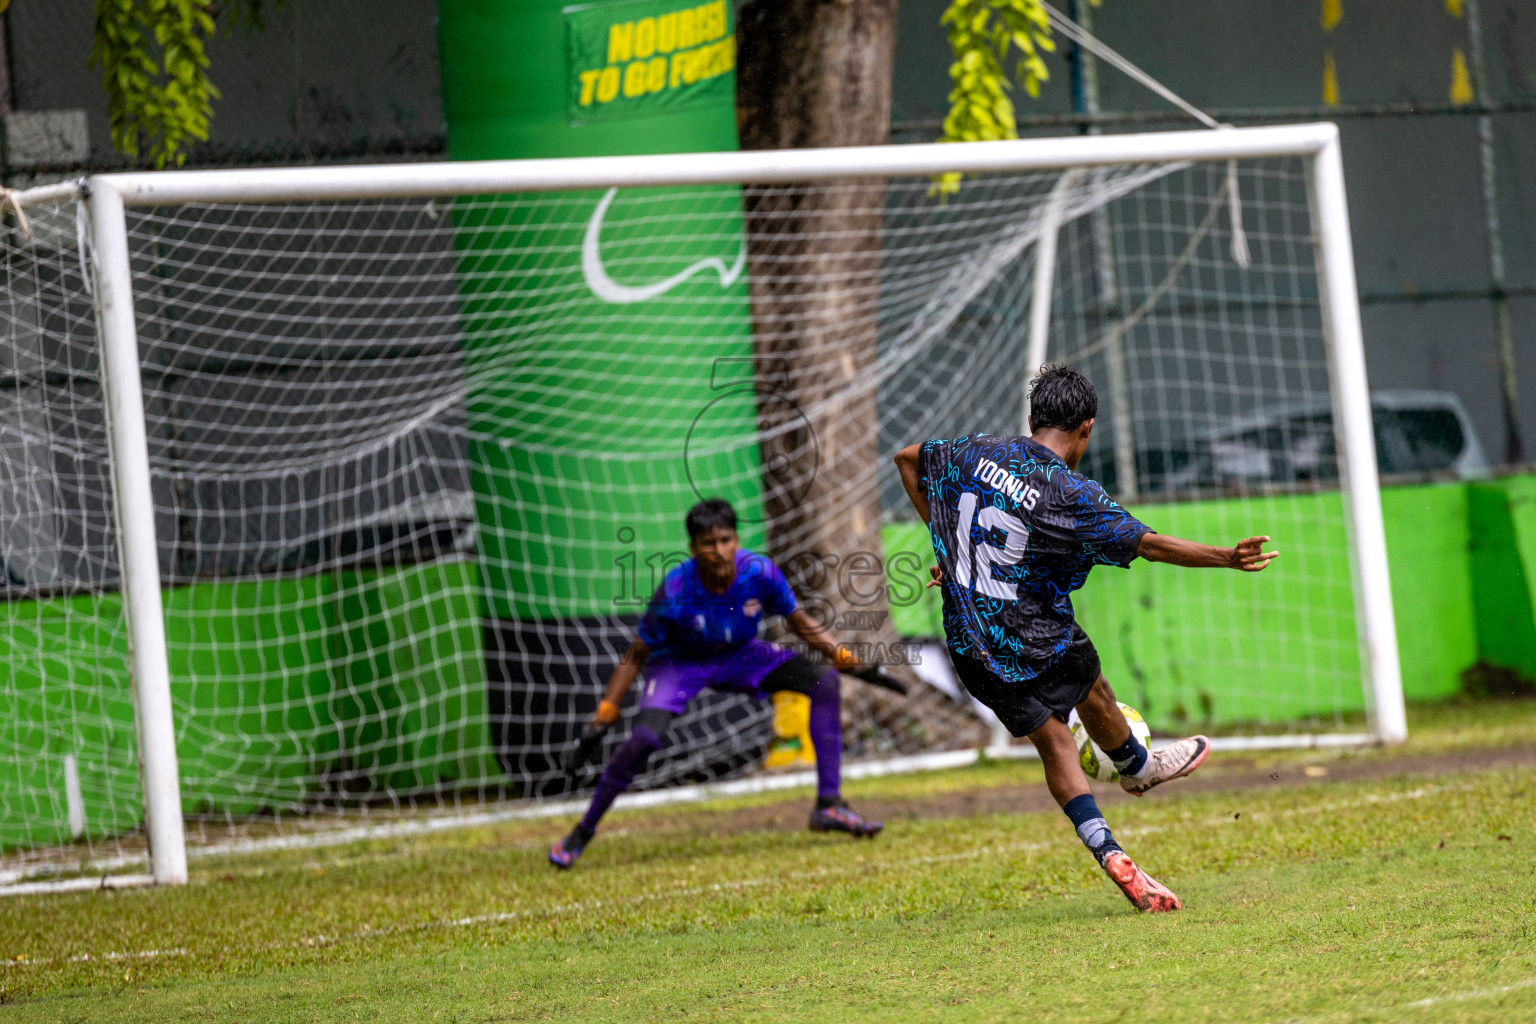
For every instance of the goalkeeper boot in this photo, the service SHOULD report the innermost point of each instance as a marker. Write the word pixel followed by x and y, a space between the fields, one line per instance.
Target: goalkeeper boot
pixel 1146 893
pixel 1167 763
pixel 839 817
pixel 565 851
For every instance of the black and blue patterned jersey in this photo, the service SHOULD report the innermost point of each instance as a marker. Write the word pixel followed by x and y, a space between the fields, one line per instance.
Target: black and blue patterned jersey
pixel 1015 532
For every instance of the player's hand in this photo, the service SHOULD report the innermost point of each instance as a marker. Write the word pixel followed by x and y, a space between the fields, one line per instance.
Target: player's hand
pixel 937 574
pixel 1250 556
pixel 590 745
pixel 875 675
pixel 586 750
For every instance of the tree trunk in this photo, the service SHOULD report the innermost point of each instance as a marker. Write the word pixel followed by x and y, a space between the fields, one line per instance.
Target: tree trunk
pixel 815 73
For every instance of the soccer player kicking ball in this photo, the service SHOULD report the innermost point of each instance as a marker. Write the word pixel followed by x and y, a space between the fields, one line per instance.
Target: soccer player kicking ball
pixel 700 629
pixel 1015 531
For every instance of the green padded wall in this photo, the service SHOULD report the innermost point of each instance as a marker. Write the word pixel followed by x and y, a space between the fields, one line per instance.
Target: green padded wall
pixel 377 677
pixel 1502 525
pixel 64 690
pixel 1463 564
pixel 409 676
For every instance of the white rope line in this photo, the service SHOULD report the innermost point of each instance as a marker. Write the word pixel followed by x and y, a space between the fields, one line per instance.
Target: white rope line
pixel 11 198
pixel 83 246
pixel 43 195
pixel 1088 41
pixel 1240 252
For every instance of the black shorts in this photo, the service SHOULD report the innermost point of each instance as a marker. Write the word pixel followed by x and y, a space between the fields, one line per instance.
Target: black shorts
pixel 1024 707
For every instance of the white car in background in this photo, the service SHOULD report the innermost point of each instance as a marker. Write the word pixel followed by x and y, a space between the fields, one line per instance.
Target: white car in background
pixel 1419 435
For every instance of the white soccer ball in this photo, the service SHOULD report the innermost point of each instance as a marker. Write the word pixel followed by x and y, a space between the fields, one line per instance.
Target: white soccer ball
pixel 1096 765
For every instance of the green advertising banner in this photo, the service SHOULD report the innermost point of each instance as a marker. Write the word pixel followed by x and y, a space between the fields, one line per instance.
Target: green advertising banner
pixel 638 58
pixel 608 332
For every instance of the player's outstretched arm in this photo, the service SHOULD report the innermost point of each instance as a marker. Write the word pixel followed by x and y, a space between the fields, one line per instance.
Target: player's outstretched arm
pixel 1248 556
pixel 607 713
pixel 906 462
pixel 815 634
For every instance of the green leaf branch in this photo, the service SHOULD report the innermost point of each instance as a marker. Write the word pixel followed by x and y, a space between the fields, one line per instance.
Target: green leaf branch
pixel 997 44
pixel 154 67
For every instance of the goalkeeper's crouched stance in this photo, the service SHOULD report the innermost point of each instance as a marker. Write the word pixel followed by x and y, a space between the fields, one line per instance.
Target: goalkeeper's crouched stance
pixel 700 630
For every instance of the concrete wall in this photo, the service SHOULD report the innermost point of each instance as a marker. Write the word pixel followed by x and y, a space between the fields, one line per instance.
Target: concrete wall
pixel 1410 153
pixel 326 79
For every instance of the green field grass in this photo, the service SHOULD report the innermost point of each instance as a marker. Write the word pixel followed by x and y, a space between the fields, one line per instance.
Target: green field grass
pixel 1409 896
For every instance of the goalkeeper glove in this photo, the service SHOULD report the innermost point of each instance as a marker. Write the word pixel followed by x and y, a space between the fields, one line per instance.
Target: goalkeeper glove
pixel 875 675
pixel 591 742
pixel 846 662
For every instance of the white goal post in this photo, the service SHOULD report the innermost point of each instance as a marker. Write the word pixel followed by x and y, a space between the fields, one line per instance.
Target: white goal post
pixel 109 196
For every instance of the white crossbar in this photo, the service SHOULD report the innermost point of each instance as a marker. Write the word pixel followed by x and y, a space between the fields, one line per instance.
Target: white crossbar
pixel 455 178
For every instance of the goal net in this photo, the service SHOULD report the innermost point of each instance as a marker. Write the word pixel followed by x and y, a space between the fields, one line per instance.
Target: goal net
pixel 416 464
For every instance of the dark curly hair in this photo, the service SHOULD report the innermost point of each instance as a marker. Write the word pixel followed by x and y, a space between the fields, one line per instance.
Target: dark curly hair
pixel 710 514
pixel 1061 397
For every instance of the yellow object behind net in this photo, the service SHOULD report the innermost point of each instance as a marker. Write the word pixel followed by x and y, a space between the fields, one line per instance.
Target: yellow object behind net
pixel 791 746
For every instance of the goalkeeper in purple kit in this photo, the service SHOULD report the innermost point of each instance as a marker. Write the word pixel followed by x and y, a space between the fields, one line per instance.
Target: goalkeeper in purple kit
pixel 700 630
pixel 1015 530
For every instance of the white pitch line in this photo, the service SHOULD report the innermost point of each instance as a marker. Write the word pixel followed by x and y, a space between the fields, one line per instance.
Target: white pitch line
pixel 14 883
pixel 763 783
pixel 665 894
pixel 311 941
pixel 718 887
pixel 148 954
pixel 1477 993
pixel 83 884
pixel 627 801
pixel 85 958
pixel 1417 1004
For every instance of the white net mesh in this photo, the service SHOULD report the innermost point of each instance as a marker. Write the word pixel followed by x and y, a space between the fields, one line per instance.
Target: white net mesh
pixel 417 465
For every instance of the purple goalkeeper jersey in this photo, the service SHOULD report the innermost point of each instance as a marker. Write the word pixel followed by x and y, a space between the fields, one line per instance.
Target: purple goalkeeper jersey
pixel 685 621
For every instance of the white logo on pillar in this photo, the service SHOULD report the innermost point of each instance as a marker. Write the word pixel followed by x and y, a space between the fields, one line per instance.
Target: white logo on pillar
pixel 609 290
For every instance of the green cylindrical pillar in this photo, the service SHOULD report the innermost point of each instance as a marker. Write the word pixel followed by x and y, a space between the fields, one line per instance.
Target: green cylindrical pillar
pixel 608 334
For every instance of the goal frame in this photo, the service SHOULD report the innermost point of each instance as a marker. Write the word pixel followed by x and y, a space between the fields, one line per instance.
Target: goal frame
pixel 107 197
